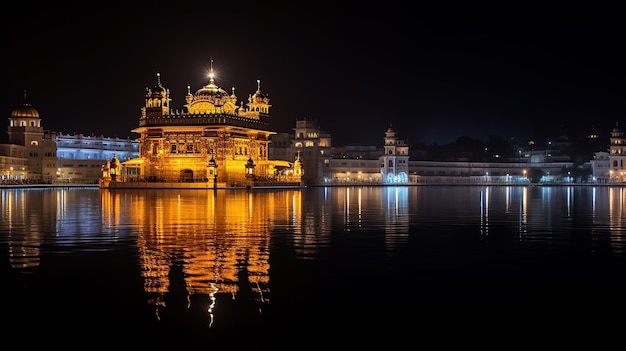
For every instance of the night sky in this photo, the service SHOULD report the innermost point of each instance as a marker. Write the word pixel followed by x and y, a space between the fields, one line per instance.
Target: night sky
pixel 434 73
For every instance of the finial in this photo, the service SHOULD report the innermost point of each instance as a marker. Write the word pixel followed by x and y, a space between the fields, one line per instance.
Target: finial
pixel 211 73
pixel 158 79
pixel 258 85
pixel 188 89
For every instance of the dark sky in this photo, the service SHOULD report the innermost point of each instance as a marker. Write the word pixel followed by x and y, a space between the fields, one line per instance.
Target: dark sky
pixel 434 73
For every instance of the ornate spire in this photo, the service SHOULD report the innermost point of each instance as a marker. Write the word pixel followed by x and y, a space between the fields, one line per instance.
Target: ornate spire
pixel 211 74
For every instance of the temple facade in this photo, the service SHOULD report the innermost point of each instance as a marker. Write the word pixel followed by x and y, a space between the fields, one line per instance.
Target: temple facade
pixel 213 141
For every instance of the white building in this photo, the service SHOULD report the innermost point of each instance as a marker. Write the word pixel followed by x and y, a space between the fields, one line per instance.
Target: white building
pixel 35 155
pixel 617 157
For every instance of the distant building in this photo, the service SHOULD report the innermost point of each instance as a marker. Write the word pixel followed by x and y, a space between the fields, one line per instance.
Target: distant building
pixel 81 157
pixel 311 145
pixel 617 156
pixel 35 155
pixel 353 164
pixel 601 167
pixel 394 163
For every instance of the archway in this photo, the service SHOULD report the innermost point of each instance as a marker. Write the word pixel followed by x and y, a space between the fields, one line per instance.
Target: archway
pixel 185 175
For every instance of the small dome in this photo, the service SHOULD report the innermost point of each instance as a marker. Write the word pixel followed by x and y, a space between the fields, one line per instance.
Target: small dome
pixel 158 91
pixel 25 110
pixel 258 97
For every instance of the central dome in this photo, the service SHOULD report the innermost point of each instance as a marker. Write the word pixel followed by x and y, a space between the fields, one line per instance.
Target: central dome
pixel 210 92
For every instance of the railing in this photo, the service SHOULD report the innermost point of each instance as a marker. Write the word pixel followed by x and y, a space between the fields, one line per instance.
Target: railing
pixel 204 120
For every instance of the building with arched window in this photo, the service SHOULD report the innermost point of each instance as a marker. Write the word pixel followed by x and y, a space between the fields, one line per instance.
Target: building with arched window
pixel 34 155
pixel 213 141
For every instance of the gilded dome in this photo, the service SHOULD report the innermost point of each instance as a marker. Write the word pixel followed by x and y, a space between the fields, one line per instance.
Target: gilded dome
pixel 25 110
pixel 212 93
pixel 258 97
pixel 158 91
pixel 209 92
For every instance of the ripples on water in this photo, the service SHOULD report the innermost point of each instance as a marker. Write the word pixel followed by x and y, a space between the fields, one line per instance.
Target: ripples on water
pixel 203 266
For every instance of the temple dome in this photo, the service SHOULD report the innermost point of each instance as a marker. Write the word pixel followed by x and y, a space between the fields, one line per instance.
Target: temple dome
pixel 25 110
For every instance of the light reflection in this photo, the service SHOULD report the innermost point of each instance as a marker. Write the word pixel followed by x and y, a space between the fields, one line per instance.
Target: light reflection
pixel 523 213
pixel 617 205
pixel 570 199
pixel 362 205
pixel 207 243
pixel 484 211
pixel 32 218
pixel 396 213
pixel 215 244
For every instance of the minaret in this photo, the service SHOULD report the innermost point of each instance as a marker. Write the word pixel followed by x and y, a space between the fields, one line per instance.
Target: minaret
pixel 259 102
pixel 25 129
pixel 394 167
pixel 25 125
pixel 390 142
pixel 157 101
pixel 617 155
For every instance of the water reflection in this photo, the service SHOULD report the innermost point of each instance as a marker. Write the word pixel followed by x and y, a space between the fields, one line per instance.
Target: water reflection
pixel 215 251
pixel 57 220
pixel 219 240
pixel 556 214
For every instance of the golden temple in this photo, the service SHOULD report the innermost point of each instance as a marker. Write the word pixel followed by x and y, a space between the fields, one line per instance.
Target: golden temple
pixel 212 142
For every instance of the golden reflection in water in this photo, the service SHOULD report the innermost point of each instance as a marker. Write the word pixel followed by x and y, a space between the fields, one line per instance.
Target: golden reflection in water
pixel 217 238
pixel 616 206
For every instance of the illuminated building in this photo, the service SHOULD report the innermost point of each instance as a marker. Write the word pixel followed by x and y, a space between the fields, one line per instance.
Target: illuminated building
pixel 394 164
pixel 31 152
pixel 617 156
pixel 81 157
pixel 311 145
pixel 212 142
pixel 35 155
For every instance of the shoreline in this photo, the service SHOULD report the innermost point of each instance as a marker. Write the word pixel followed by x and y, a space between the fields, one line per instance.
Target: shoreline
pixel 202 186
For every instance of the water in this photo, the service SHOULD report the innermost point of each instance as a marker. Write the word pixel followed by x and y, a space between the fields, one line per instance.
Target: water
pixel 318 267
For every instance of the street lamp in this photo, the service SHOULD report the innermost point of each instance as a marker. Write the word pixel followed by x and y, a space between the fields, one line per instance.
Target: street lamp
pixel 114 171
pixel 213 171
pixel 250 168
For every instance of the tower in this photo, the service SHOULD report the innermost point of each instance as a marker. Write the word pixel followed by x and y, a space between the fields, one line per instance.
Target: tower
pixel 617 156
pixel 394 164
pixel 40 153
pixel 312 146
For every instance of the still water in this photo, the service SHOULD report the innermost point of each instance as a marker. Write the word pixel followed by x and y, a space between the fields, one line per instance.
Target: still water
pixel 337 266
